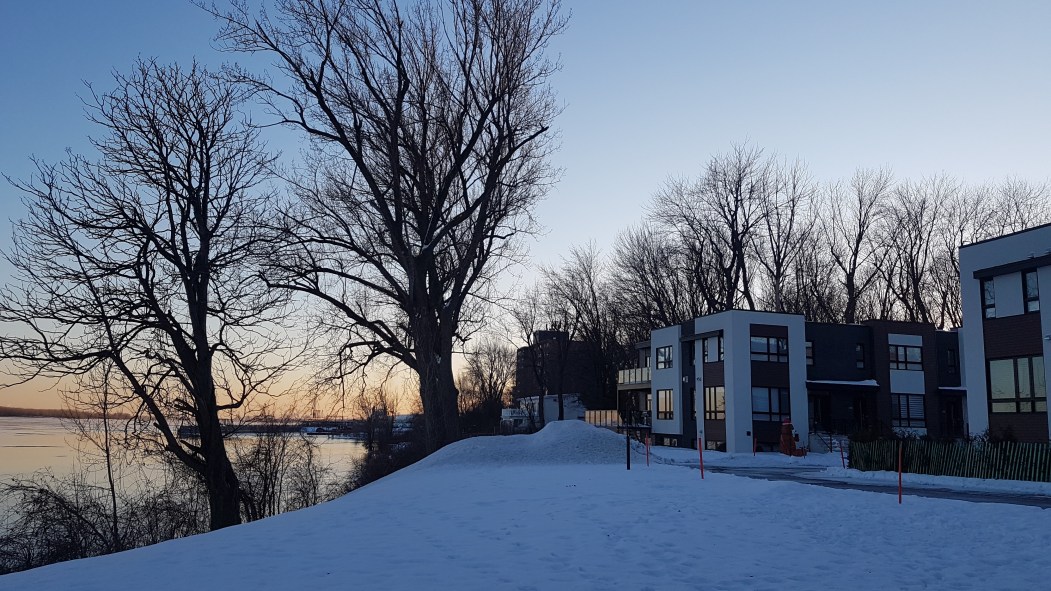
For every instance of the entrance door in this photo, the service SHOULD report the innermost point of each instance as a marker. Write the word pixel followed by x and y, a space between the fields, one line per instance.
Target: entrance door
pixel 862 412
pixel 820 407
pixel 952 413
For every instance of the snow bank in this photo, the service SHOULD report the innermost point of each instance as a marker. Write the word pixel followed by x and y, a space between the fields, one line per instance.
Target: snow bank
pixel 559 442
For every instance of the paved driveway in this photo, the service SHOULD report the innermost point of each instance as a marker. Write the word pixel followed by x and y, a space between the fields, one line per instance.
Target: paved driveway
pixel 815 477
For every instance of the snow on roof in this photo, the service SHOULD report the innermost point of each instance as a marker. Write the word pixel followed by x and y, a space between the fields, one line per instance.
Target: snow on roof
pixel 866 383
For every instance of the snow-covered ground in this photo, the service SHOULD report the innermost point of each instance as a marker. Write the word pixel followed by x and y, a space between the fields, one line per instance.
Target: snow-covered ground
pixel 557 510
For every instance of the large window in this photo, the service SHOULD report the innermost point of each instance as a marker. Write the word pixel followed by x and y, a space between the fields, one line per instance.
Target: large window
pixel 906 357
pixel 1031 291
pixel 907 411
pixel 810 353
pixel 665 405
pixel 715 403
pixel 770 349
pixel 952 361
pixel 988 298
pixel 712 349
pixel 770 404
pixel 1017 385
pixel 859 356
pixel 664 357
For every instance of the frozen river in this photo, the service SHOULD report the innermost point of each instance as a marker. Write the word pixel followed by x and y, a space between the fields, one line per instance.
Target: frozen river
pixel 29 445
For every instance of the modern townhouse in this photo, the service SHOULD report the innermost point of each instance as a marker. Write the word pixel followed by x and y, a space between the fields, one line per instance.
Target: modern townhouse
pixel 730 380
pixel 1007 333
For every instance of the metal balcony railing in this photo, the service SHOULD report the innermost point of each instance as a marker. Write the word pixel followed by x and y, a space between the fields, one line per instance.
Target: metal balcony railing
pixel 603 418
pixel 612 419
pixel 637 375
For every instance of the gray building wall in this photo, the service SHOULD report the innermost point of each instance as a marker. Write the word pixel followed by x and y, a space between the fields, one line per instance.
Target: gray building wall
pixel 667 379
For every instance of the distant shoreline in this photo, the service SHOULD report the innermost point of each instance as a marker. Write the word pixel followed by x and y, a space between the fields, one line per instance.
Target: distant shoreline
pixel 53 413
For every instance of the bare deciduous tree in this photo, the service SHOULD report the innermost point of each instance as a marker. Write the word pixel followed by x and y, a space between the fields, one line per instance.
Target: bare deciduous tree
pixel 377 407
pixel 786 230
pixel 279 469
pixel 717 220
pixel 548 325
pixel 582 283
pixel 485 384
pixel 814 291
pixel 654 282
pixel 1015 204
pixel 848 226
pixel 908 236
pixel 141 266
pixel 432 124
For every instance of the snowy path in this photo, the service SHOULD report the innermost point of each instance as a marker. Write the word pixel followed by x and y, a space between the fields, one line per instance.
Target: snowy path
pixel 817 477
pixel 825 470
pixel 557 510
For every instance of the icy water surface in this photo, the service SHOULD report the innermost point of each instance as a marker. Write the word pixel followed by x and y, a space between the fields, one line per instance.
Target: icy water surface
pixel 28 445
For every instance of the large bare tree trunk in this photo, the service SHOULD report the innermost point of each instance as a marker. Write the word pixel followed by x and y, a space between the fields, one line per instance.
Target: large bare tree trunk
pixel 438 393
pixel 431 122
pixel 219 477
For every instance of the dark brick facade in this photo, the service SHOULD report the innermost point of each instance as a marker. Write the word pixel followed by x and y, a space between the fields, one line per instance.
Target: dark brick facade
pixel 564 366
pixel 1012 336
pixel 1015 336
pixel 1026 427
pixel 849 408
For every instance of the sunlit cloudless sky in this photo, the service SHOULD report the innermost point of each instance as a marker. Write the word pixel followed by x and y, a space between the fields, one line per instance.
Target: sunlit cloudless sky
pixel 650 90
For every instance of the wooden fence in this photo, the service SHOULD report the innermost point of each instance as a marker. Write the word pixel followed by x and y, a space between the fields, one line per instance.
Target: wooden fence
pixel 1005 461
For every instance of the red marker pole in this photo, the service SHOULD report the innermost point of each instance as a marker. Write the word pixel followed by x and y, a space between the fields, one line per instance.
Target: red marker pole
pixel 842 458
pixel 899 472
pixel 700 454
pixel 647 449
pixel 755 444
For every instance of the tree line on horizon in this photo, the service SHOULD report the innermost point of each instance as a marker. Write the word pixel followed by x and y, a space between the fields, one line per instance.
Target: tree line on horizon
pixel 55 413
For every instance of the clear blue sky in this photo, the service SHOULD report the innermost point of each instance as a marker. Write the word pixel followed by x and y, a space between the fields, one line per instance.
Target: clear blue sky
pixel 651 90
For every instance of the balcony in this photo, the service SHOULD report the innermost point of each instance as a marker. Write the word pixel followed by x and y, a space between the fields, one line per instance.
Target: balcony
pixel 635 376
pixel 613 419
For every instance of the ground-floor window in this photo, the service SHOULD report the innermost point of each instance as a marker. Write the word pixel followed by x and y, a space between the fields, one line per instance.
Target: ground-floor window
pixel 665 405
pixel 715 403
pixel 714 445
pixel 770 404
pixel 907 411
pixel 1017 385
